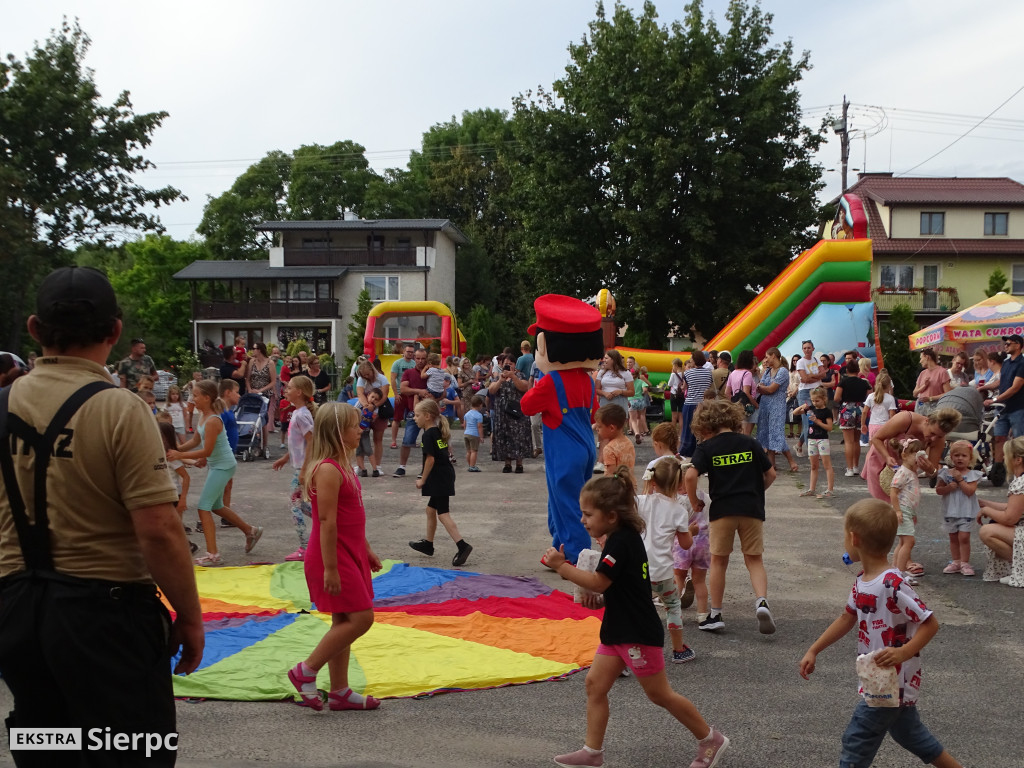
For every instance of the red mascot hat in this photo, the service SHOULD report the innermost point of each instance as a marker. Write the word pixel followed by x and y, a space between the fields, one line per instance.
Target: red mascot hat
pixel 564 314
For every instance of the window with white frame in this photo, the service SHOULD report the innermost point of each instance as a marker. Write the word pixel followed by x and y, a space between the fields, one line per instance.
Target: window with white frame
pixel 381 287
pixel 897 276
pixel 1017 280
pixel 996 223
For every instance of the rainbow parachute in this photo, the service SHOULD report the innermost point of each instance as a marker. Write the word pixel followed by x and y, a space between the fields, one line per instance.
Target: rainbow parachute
pixel 435 630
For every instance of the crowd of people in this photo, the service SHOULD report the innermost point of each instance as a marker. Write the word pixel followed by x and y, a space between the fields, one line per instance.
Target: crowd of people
pixel 671 542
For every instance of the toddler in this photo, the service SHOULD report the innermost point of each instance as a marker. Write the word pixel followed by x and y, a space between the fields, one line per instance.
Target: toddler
pixel 905 495
pixel 366 416
pixel 474 422
pixel 610 421
pixel 957 485
pixel 820 422
pixel 437 378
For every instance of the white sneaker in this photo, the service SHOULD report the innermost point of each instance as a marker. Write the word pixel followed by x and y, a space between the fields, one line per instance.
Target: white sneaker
pixel 850 472
pixel 599 468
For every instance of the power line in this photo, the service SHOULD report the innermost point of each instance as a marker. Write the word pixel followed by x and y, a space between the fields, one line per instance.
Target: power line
pixel 958 138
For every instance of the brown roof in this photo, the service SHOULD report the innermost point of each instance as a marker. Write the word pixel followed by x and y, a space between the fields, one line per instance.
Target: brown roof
pixel 881 246
pixel 888 190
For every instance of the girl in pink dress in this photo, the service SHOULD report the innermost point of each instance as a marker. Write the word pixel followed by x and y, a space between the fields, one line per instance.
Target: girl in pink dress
pixel 339 558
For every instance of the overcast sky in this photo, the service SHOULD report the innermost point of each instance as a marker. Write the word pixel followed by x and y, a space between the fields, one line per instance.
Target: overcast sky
pixel 242 78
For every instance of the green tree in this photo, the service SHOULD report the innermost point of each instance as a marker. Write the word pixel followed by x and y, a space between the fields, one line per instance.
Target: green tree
pixel 357 327
pixel 997 283
pixel 327 180
pixel 156 307
pixel 465 167
pixel 68 167
pixel 897 359
pixel 258 195
pixel 670 165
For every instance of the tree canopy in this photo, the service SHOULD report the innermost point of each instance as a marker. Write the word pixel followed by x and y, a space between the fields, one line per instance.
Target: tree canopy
pixel 669 165
pixel 68 168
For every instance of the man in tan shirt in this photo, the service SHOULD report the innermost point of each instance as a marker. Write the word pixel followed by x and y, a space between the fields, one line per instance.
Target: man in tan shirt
pixel 84 640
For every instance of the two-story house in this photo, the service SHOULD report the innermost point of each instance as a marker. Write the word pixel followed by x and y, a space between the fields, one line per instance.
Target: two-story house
pixel 936 241
pixel 309 286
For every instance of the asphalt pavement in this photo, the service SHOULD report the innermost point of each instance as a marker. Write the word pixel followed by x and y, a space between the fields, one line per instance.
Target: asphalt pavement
pixel 745 683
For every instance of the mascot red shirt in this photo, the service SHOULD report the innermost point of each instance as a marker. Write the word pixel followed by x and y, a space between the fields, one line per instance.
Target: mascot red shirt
pixel 569 347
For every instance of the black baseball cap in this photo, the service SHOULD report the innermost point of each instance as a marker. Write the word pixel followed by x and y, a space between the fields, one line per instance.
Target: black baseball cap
pixel 76 294
pixel 1016 337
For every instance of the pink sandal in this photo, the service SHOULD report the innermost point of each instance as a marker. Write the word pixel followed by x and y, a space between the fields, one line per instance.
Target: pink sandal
pixel 338 702
pixel 313 700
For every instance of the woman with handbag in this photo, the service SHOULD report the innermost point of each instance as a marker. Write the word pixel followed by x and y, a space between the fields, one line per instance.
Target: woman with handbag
pixel 510 436
pixel 740 388
pixel 850 396
pixel 370 378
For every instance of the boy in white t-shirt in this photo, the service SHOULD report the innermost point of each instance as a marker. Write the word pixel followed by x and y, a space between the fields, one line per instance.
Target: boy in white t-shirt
pixel 810 374
pixel 892 620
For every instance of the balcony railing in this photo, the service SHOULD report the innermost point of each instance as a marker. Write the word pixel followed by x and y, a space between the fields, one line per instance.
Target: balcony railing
pixel 349 257
pixel 265 310
pixel 918 299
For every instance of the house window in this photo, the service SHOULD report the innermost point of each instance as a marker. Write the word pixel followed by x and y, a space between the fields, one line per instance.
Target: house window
pixel 1017 289
pixel 933 223
pixel 251 336
pixel 316 242
pixel 323 289
pixel 897 276
pixel 302 290
pixel 381 287
pixel 996 223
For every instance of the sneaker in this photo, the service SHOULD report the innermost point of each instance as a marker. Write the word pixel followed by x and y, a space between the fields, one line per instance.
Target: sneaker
pixel 225 524
pixel 473 469
pixel 198 527
pixel 519 469
pixel 701 617
pixel 252 537
pixel 966 569
pixel 953 567
pixel 363 472
pixel 799 450
pixel 712 622
pixel 581 757
pixel 462 555
pixel 850 472
pixel 208 560
pixel 765 622
pixel 710 749
pixel 598 468
pixel 423 546
pixel 1008 581
pixel 296 556
pixel 683 656
pixel 686 598
pixel 192 547
pixel 400 472
pixel 910 579
pixel 376 473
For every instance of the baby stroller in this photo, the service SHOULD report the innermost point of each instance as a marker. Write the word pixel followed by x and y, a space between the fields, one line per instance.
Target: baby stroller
pixel 251 416
pixel 977 426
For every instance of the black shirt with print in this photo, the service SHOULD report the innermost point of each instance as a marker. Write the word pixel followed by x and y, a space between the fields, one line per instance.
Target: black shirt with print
pixel 629 613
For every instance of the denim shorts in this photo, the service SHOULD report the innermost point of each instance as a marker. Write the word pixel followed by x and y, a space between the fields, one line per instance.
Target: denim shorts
pixel 868 726
pixel 412 433
pixel 1010 420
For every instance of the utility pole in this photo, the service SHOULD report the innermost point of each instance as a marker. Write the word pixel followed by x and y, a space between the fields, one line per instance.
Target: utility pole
pixel 841 129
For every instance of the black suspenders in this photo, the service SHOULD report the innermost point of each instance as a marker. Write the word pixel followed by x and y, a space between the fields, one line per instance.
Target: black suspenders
pixel 34 539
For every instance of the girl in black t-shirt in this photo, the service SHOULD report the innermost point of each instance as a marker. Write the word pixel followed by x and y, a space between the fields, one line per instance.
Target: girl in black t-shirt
pixel 631 631
pixel 437 480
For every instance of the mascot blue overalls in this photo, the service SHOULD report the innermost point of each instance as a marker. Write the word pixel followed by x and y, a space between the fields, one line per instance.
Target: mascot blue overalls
pixel 569 347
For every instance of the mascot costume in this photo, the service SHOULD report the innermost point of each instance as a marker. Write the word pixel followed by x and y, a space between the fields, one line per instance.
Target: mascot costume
pixel 569 347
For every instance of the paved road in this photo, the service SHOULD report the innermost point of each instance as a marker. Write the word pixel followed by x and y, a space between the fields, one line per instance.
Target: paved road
pixel 743 682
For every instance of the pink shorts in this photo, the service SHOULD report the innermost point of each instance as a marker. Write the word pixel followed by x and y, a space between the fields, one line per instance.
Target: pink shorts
pixel 643 660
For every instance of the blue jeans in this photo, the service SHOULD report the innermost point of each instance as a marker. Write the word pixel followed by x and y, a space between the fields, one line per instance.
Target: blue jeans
pixel 803 397
pixel 868 727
